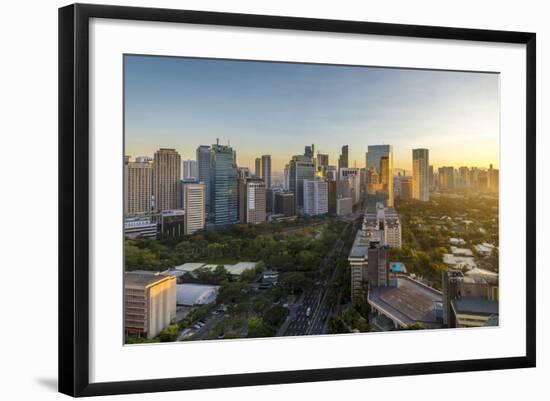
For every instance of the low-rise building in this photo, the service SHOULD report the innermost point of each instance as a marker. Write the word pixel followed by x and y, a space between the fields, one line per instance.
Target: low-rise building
pixel 149 303
pixel 136 227
pixel 344 206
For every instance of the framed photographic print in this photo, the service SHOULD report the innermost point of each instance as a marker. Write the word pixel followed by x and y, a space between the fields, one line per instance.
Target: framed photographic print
pixel 250 199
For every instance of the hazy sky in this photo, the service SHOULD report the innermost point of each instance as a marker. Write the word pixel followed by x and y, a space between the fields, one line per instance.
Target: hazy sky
pixel 278 108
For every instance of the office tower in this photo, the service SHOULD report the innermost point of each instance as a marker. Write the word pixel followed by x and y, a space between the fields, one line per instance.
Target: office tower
pixel 284 204
pixel 343 160
pixel 384 168
pixel 189 169
pixel 243 173
pixel 270 198
pixel 203 166
pixel 392 229
pixel 252 202
pixel 406 188
pixel 492 179
pixel 315 197
pixel 138 185
pixel 464 174
pixel 331 173
pixel 286 178
pixel 258 167
pixel 171 223
pixel 431 176
pixel 266 170
pixel 309 151
pixel 223 183
pixel 301 168
pixel 446 178
pixel 344 206
pixel 322 161
pixel 166 176
pixel 350 183
pixel 194 195
pixel 181 190
pixel 149 303
pixel 421 178
pixel 332 196
pixel 378 265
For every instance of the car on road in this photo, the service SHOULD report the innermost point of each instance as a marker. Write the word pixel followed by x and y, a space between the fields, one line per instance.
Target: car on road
pixel 308 311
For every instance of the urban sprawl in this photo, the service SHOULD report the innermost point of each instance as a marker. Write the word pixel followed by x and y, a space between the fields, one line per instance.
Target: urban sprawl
pixel 214 250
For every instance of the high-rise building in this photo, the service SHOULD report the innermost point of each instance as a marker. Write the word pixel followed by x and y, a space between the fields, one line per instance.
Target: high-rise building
pixel 243 173
pixel 194 195
pixel 315 197
pixel 284 204
pixel 383 167
pixel 309 151
pixel 189 170
pixel 446 178
pixel 421 178
pixel 223 182
pixel 464 174
pixel 286 178
pixel 350 183
pixel 203 166
pixel 343 160
pixel 258 167
pixel 166 176
pixel 406 188
pixel 270 198
pixel 344 206
pixel 322 161
pixel 252 201
pixel 138 185
pixel 332 197
pixel 266 170
pixel 149 303
pixel 431 177
pixel 492 179
pixel 300 168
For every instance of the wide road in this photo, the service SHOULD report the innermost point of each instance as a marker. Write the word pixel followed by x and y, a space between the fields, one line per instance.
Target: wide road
pixel 315 300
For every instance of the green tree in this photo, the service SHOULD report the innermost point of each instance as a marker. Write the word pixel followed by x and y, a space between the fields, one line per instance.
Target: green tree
pixel 169 333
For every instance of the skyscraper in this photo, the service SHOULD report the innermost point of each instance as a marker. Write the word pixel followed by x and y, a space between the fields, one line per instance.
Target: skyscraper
pixel 322 160
pixel 203 166
pixel 166 176
pixel 258 167
pixel 284 204
pixel 252 201
pixel 421 179
pixel 189 169
pixel 223 182
pixel 446 178
pixel 194 195
pixel 343 160
pixel 374 159
pixel 266 170
pixel 315 197
pixel 286 178
pixel 309 151
pixel 301 168
pixel 138 181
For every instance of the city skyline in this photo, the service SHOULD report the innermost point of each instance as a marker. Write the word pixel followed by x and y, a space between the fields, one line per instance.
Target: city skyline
pixel 294 104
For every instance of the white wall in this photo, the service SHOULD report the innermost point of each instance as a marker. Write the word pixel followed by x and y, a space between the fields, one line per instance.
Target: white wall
pixel 28 129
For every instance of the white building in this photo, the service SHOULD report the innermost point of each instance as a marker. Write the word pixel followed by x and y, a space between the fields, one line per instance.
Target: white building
pixel 344 206
pixel 194 201
pixel 315 197
pixel 353 177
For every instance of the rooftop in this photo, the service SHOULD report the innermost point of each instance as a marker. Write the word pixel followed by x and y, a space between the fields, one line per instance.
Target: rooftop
pixel 476 306
pixel 143 278
pixel 408 302
pixel 196 294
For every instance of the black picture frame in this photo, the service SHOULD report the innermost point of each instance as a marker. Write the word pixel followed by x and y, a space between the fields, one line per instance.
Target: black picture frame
pixel 74 200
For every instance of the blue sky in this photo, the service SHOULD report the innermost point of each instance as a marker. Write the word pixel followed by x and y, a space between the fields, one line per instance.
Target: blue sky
pixel 278 108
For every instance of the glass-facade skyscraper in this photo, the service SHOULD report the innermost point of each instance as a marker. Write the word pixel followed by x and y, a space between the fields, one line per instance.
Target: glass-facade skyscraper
pixel 223 186
pixel 301 168
pixel 203 167
pixel 375 154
